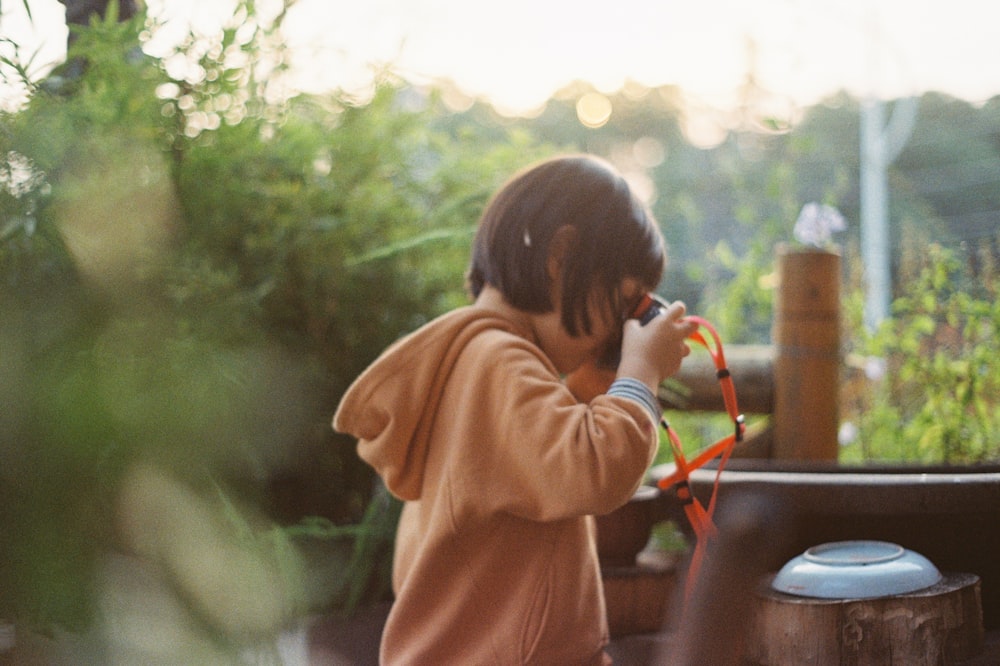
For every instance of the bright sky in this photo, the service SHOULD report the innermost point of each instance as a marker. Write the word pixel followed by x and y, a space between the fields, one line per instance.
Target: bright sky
pixel 520 51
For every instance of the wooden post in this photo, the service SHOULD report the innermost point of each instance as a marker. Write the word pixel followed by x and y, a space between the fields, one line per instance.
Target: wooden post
pixel 806 336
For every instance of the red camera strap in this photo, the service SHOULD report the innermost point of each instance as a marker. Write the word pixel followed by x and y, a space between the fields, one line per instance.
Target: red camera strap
pixel 699 516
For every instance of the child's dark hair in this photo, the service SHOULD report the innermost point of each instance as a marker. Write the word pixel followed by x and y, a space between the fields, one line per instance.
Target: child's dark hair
pixel 616 238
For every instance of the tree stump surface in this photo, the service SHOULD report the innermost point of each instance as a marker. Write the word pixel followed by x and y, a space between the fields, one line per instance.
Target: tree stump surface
pixel 941 624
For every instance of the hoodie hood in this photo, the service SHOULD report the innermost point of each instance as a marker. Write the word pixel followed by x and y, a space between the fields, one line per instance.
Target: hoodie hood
pixel 390 408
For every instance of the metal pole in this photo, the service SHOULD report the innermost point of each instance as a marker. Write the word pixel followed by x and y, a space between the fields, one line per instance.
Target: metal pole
pixel 875 214
pixel 881 143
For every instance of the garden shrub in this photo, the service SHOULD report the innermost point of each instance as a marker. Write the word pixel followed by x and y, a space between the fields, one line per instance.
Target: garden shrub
pixel 938 399
pixel 254 254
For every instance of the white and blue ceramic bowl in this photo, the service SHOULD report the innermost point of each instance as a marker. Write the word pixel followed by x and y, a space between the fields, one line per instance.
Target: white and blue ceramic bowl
pixel 855 570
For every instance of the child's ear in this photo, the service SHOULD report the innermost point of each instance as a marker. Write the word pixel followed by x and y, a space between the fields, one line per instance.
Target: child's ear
pixel 562 243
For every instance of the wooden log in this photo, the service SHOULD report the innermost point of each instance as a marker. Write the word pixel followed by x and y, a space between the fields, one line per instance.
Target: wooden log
pixel 806 335
pixel 941 624
pixel 752 369
pixel 637 599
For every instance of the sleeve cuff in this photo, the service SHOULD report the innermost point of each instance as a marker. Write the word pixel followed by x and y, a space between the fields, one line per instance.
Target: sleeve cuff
pixel 633 389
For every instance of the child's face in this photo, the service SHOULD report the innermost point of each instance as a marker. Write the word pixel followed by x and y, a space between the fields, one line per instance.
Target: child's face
pixel 567 352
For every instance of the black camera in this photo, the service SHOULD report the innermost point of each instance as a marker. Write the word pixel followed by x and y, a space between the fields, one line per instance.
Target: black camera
pixel 649 306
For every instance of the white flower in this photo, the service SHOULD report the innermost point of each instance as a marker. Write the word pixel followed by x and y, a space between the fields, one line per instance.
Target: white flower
pixel 847 433
pixel 875 368
pixel 817 223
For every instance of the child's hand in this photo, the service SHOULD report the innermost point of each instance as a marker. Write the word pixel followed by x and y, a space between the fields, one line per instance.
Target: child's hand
pixel 653 352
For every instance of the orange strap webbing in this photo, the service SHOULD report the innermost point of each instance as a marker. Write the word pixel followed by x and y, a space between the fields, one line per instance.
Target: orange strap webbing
pixel 700 517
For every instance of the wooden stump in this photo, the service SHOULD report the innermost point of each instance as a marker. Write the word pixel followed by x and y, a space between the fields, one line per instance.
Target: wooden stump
pixel 637 598
pixel 942 624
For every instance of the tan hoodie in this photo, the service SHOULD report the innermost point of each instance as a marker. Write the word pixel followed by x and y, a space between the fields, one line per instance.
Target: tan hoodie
pixel 501 469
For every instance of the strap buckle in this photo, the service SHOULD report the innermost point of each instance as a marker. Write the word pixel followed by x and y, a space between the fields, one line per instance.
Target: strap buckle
pixel 683 491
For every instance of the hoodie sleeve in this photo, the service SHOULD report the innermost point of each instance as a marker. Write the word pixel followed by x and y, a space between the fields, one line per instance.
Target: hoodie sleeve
pixel 525 445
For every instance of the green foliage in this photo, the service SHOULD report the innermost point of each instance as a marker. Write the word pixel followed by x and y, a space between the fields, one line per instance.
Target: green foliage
pixel 332 233
pixel 939 400
pixel 668 537
pixel 86 397
pixel 196 268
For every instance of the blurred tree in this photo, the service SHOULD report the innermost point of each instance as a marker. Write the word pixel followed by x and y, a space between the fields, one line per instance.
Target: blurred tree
pixel 198 267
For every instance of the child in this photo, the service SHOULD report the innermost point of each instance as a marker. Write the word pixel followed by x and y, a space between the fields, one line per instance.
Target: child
pixel 500 465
